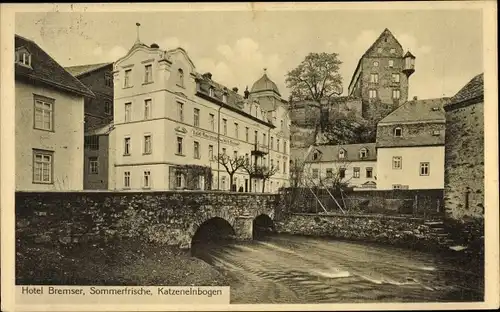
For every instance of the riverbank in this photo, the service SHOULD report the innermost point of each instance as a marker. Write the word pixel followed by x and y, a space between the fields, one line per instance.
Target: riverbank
pixel 462 242
pixel 123 262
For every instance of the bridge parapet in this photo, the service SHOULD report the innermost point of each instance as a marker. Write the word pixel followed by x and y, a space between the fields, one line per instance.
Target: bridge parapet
pixel 165 217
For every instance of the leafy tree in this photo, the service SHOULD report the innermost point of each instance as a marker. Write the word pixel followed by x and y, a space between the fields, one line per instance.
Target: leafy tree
pixel 231 164
pixel 315 79
pixel 348 129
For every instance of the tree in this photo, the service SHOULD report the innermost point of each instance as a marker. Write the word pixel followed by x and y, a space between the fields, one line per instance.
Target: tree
pixel 315 79
pixel 267 172
pixel 231 164
pixel 347 129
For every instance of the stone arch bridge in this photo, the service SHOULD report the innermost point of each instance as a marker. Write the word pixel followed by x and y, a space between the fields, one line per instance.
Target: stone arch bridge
pixel 166 217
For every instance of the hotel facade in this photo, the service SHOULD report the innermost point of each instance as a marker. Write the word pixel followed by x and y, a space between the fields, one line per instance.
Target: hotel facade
pixel 170 123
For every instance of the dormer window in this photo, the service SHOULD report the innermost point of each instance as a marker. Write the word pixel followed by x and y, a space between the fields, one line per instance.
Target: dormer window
pixel 180 77
pixel 315 156
pixel 212 92
pixel 224 98
pixel 398 132
pixel 363 153
pixel 341 154
pixel 23 57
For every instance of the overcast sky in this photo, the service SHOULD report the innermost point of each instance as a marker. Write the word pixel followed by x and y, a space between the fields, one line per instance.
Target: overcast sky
pixel 236 46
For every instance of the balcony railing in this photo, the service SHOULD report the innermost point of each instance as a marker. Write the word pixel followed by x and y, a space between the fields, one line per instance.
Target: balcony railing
pixel 259 149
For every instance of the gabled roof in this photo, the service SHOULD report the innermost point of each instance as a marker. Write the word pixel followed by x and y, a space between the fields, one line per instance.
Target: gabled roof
pixel 330 153
pixel 46 70
pixel 422 111
pixel 382 35
pixel 474 89
pixel 80 70
pixel 386 32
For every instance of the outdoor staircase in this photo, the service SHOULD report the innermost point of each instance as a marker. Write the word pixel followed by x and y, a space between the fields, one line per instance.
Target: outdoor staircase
pixel 437 227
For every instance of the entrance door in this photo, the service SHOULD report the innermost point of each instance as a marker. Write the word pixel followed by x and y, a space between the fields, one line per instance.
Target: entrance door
pixel 246 185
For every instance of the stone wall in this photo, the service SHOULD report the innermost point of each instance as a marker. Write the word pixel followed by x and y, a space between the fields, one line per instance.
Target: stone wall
pixel 170 218
pixel 413 233
pixel 413 134
pixel 464 161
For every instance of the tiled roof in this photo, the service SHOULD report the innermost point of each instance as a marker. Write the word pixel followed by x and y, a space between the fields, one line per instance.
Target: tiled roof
pixel 84 69
pixel 45 69
pixel 429 110
pixel 352 152
pixel 233 99
pixel 473 89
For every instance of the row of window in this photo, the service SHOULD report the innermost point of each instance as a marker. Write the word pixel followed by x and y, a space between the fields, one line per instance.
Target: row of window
pixel 390 63
pixel 374 78
pixel 146 179
pixel 363 153
pixel 342 173
pixel 148 76
pixel 397 164
pixel 398 132
pixel 373 94
pixel 147 146
pixel 211 119
pixel 146 111
pixel 180 180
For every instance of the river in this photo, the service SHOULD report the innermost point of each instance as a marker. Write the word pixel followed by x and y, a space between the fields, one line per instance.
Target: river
pixel 296 269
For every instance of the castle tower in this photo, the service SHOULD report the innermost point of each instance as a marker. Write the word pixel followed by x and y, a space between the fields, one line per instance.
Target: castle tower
pixel 381 77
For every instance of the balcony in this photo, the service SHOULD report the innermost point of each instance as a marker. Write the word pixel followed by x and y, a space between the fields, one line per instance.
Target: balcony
pixel 258 172
pixel 260 150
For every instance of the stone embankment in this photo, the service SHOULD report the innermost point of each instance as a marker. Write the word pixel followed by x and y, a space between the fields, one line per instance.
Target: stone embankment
pixel 414 233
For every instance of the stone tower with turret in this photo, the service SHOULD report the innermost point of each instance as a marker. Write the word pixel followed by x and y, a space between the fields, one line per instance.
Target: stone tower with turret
pixel 381 77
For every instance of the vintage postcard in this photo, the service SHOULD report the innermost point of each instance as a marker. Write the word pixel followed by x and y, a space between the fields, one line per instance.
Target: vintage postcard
pixel 249 156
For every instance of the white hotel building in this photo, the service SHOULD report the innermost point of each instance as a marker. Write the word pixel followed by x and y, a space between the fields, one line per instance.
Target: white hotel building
pixel 170 121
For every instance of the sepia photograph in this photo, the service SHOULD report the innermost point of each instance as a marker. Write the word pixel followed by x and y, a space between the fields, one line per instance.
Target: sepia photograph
pixel 320 156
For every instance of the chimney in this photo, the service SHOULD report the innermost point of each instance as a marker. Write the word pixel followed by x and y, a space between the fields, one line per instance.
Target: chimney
pixel 235 90
pixel 415 98
pixel 208 75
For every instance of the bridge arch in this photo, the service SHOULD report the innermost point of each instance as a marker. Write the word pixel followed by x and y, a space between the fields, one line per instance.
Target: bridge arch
pixel 262 226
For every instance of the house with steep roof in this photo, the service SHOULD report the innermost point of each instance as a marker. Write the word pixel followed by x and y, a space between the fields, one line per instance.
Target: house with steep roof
pixel 352 164
pixel 160 98
pixel 464 152
pixel 98 122
pixel 381 76
pixel 99 79
pixel 410 146
pixel 49 124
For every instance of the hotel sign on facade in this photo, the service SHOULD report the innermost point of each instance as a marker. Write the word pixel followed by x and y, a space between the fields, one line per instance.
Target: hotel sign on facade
pixel 213 137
